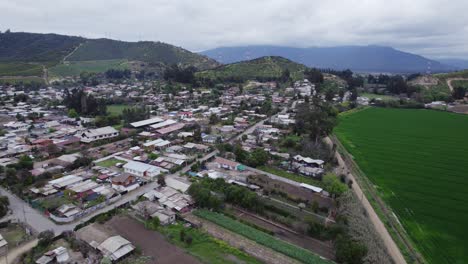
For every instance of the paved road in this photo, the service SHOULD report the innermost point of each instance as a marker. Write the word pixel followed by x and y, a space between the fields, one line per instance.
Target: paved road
pixel 391 246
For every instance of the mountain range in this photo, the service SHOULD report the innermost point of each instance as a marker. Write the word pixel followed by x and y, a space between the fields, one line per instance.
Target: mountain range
pixel 357 58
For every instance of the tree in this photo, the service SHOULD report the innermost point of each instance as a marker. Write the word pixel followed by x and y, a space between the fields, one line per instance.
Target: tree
pixel 153 223
pixel 197 135
pixel 349 251
pixel 258 157
pixel 333 184
pixel 459 92
pixel 161 180
pixel 45 237
pixel 25 162
pixel 73 114
pixel 4 203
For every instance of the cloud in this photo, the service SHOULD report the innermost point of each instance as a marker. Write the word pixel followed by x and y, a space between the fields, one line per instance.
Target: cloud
pixel 434 28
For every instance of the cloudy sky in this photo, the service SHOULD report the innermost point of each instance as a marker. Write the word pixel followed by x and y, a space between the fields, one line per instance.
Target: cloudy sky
pixel 434 28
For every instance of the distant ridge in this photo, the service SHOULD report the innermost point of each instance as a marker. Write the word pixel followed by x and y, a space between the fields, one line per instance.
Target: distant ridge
pixel 357 58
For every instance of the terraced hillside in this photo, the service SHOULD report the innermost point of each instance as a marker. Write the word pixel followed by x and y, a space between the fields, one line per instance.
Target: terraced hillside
pixel 417 159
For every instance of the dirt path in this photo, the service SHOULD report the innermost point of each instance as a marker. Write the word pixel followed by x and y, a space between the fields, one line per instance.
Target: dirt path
pixel 449 82
pixel 250 247
pixel 391 246
pixel 18 251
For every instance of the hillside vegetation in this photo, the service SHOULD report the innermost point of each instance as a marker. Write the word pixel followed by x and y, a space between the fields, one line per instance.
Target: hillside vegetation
pixel 417 161
pixel 151 52
pixel 261 68
pixel 24 54
pixel 74 68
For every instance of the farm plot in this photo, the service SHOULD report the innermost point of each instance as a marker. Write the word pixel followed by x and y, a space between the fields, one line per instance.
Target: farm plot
pixel 261 237
pixel 418 161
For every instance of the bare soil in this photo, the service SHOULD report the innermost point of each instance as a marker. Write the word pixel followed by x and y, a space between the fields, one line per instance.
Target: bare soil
pixel 152 244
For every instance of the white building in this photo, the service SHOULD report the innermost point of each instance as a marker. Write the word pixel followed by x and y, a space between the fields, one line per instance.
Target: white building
pixel 92 135
pixel 144 170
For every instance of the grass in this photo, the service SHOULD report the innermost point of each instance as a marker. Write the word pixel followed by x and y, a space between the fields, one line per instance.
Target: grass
pixel 260 237
pixel 109 162
pixel 291 176
pixel 20 69
pixel 116 109
pixel 417 161
pixel 205 247
pixel 19 80
pixel 13 234
pixel 74 68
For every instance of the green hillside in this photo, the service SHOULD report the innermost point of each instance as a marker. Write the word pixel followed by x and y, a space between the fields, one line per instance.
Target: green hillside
pixel 32 47
pixel 25 54
pixel 261 68
pixel 151 52
pixel 74 68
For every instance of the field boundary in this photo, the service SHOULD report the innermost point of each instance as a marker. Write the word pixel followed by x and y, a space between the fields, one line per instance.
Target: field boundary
pixel 388 218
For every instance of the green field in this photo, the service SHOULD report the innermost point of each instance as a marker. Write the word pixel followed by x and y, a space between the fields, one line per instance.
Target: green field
pixel 109 162
pixel 74 68
pixel 205 247
pixel 260 237
pixel 418 160
pixel 116 109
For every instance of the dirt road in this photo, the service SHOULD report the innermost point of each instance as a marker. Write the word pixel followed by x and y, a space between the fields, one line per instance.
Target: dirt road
pixel 449 82
pixel 391 246
pixel 250 247
pixel 17 252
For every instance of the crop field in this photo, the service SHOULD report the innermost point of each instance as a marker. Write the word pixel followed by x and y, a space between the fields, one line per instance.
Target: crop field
pixel 74 68
pixel 260 237
pixel 418 161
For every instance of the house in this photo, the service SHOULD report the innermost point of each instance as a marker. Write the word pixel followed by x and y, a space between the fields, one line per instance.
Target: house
pixel 3 246
pixel 211 139
pixel 92 135
pixel 309 161
pixel 170 129
pixel 58 255
pixel 151 209
pixel 124 182
pixel 115 247
pixel 144 170
pixel 227 164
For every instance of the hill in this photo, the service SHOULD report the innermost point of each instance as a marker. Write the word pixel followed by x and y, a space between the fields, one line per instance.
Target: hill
pixel 264 68
pixel 356 58
pixel 22 54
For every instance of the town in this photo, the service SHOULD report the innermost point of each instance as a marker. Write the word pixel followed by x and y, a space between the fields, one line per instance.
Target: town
pixel 143 152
